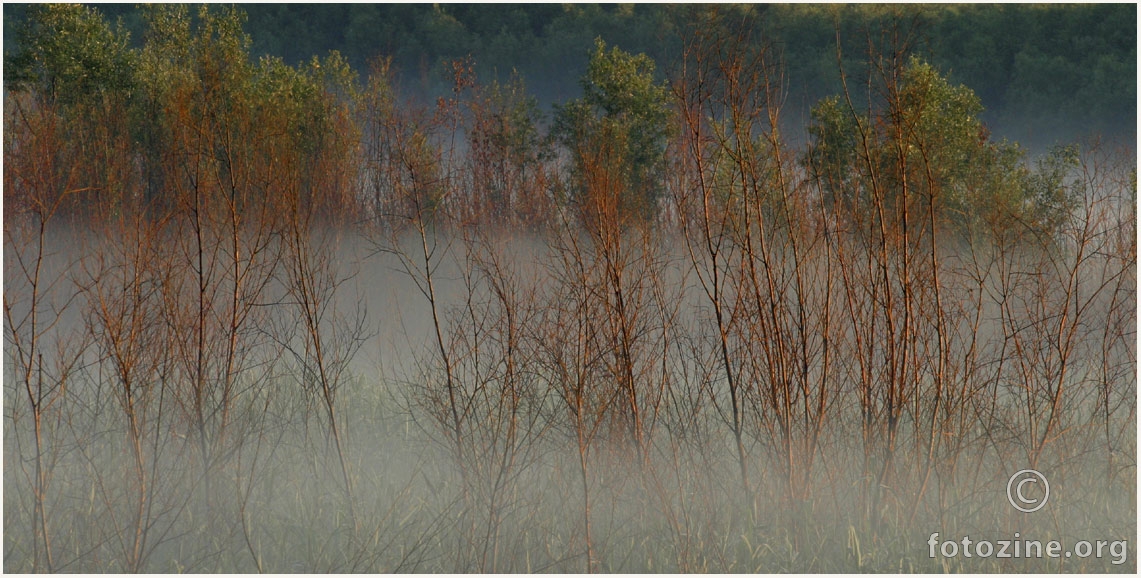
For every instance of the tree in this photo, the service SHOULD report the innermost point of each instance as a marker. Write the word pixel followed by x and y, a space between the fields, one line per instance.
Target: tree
pixel 925 143
pixel 67 53
pixel 508 154
pixel 621 122
pixel 71 64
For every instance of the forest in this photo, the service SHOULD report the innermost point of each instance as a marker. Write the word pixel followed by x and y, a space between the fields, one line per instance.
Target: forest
pixel 568 288
pixel 1073 64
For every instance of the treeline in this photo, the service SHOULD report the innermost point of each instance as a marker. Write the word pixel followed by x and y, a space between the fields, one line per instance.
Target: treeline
pixel 1073 64
pixel 485 150
pixel 655 335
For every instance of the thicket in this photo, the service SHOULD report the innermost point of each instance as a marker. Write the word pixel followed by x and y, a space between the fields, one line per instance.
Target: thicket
pixel 655 337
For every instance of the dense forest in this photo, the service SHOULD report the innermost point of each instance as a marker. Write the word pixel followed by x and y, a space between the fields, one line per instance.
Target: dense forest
pixel 545 288
pixel 1072 64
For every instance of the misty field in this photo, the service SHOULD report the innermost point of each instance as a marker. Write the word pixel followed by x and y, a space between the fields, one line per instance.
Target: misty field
pixel 265 318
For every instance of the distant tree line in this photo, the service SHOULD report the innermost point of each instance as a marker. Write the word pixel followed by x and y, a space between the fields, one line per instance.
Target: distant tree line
pixel 1072 64
pixel 137 109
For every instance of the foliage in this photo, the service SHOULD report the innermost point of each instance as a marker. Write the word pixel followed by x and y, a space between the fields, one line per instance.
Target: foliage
pixel 190 90
pixel 68 53
pixel 927 139
pixel 508 152
pixel 1052 191
pixel 834 140
pixel 1072 63
pixel 623 112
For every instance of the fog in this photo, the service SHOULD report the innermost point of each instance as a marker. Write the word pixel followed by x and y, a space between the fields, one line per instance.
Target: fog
pixel 512 448
pixel 263 317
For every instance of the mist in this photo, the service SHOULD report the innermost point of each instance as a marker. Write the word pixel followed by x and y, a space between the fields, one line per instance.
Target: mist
pixel 274 498
pixel 264 317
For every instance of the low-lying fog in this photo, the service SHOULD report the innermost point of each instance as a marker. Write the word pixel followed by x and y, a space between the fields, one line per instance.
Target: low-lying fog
pixel 561 408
